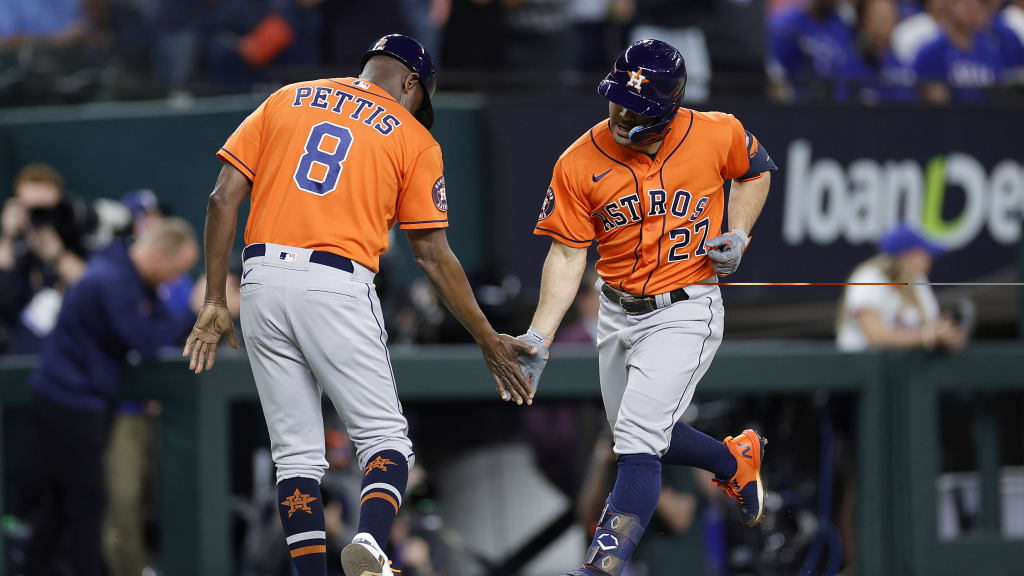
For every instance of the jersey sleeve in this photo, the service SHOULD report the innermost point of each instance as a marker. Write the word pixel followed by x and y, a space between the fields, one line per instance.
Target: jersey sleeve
pixel 564 214
pixel 244 147
pixel 422 202
pixel 737 160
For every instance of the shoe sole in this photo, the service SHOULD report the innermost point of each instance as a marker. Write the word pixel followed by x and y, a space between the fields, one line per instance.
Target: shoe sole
pixel 356 560
pixel 760 487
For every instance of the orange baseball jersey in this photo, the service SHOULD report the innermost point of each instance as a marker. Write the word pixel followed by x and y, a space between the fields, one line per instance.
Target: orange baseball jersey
pixel 651 217
pixel 334 163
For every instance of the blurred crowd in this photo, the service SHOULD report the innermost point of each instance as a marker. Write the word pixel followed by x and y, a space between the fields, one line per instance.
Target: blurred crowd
pixel 868 51
pixel 889 51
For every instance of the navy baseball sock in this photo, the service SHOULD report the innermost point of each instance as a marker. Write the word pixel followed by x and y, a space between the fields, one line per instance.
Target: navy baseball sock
pixel 302 515
pixel 384 483
pixel 627 513
pixel 691 447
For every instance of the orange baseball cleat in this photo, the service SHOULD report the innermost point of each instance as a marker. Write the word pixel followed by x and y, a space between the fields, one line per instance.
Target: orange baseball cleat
pixel 745 486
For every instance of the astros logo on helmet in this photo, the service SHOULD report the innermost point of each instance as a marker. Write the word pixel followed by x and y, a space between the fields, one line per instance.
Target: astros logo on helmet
pixel 648 79
pixel 636 80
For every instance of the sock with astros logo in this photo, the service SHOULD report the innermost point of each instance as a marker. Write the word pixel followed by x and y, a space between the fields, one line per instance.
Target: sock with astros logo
pixel 384 483
pixel 302 515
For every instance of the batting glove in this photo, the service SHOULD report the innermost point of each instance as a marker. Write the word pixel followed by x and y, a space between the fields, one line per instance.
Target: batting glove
pixel 726 250
pixel 533 365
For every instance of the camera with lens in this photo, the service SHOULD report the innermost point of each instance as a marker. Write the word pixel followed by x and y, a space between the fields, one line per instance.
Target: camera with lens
pixel 72 219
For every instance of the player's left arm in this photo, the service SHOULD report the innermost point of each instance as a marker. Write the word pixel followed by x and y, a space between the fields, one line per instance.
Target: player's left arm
pixel 750 167
pixel 231 189
pixel 559 282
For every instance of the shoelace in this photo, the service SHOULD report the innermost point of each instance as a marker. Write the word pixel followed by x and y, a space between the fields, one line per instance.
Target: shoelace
pixel 730 490
pixel 394 570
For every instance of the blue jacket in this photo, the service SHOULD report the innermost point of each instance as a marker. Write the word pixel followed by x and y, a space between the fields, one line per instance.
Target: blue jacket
pixel 107 314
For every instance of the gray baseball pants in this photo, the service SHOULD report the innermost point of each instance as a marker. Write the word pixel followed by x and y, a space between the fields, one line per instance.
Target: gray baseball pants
pixel 311 328
pixel 650 365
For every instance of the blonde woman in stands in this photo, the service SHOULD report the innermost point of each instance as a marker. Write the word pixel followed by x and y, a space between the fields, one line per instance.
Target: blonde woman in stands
pixel 876 317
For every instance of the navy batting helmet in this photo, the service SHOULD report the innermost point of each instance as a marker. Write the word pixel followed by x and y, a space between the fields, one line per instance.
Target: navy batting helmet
pixel 411 53
pixel 648 79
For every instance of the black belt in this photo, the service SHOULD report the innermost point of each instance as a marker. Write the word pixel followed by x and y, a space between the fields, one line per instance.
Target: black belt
pixel 636 305
pixel 317 257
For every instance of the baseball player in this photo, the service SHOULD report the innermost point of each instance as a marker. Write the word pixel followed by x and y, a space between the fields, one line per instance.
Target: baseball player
pixel 331 165
pixel 646 184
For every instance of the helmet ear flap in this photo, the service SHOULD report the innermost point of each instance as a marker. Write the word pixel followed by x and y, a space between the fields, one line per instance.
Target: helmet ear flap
pixel 644 135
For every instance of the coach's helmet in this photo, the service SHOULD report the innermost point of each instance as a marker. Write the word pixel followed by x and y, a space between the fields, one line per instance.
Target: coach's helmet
pixel 648 79
pixel 411 53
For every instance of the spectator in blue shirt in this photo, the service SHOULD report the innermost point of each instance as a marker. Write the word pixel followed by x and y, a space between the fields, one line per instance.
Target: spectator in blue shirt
pixel 113 310
pixel 1011 46
pixel 885 78
pixel 1010 24
pixel 914 31
pixel 814 50
pixel 964 62
pixel 56 21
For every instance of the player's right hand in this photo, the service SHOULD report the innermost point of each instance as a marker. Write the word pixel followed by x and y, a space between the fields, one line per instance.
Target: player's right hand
pixel 501 355
pixel 214 320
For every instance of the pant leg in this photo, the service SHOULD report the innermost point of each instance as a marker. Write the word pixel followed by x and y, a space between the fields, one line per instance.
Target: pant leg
pixel 338 325
pixel 289 394
pixel 611 356
pixel 670 350
pixel 126 466
pixel 84 489
pixel 45 496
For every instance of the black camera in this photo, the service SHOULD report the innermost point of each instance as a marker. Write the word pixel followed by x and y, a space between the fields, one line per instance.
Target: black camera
pixel 72 218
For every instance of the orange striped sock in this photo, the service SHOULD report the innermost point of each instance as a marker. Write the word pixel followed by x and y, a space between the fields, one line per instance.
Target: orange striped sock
pixel 384 481
pixel 302 516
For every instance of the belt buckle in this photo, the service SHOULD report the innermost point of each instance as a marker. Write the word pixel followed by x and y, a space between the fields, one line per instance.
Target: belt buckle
pixel 632 305
pixel 626 300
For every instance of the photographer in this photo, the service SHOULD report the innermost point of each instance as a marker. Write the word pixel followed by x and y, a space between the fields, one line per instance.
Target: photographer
pixel 41 255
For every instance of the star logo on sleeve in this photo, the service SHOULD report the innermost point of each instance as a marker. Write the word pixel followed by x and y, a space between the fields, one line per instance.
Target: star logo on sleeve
pixel 298 501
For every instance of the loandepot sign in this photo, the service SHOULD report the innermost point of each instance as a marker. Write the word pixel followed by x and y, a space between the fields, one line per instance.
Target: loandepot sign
pixel 857 202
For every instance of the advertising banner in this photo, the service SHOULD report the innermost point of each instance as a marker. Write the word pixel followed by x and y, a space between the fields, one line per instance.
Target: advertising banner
pixel 847 174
